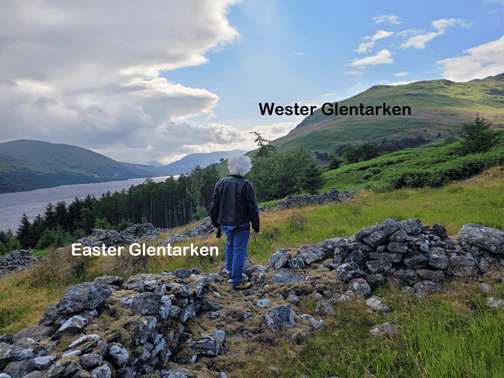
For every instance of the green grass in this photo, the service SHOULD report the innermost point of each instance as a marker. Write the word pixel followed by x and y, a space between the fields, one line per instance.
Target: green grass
pixel 439 336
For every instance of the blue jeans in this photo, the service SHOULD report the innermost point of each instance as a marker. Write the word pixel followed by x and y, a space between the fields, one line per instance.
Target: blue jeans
pixel 236 251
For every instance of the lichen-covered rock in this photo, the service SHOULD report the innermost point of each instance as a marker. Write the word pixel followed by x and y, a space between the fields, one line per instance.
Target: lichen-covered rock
pixel 463 266
pixel 360 287
pixel 481 236
pixel 36 333
pixel 117 354
pixel 377 238
pixel 102 371
pixel 83 296
pixel 109 280
pixel 286 276
pixel 279 317
pixel 72 326
pixel 438 259
pixel 206 347
pixel 412 226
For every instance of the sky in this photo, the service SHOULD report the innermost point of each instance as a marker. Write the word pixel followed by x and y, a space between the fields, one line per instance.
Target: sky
pixel 157 80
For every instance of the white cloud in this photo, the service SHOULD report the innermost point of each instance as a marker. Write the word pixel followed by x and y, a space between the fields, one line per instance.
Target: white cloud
pixel 88 73
pixel 383 57
pixel 365 46
pixel 494 1
pixel 419 41
pixel 400 74
pixel 401 82
pixel 393 19
pixel 297 53
pixel 409 31
pixel 482 61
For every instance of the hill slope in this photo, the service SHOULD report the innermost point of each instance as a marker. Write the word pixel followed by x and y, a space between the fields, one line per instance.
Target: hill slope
pixel 189 162
pixel 35 164
pixel 436 106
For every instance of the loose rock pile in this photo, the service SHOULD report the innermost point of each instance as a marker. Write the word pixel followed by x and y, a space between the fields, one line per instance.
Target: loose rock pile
pixel 333 196
pixel 201 231
pixel 109 328
pixel 111 238
pixel 17 260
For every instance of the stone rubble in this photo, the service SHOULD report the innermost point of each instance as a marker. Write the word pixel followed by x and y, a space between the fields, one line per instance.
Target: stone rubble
pixel 17 260
pixel 173 323
pixel 333 196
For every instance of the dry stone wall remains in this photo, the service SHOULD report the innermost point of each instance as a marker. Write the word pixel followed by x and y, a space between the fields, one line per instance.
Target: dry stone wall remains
pixel 188 323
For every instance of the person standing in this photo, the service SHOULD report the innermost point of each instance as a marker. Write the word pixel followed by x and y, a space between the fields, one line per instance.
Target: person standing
pixel 233 208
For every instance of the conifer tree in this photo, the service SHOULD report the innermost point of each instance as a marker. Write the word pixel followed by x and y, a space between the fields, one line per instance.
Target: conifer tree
pixel 312 179
pixel 477 136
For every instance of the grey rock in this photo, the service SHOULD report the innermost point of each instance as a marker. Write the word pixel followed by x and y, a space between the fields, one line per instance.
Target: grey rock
pixel 187 313
pixel 431 275
pixel 347 272
pixel 377 238
pixel 412 226
pixel 72 326
pixel 35 374
pixel 83 296
pixel 296 263
pixel 408 276
pixel 279 317
pixel 82 340
pixel 390 225
pixel 388 330
pixel 285 276
pixel 294 299
pixel 438 259
pixel 102 371
pixel 415 260
pixel 481 236
pixel 398 236
pixel 324 308
pixel 19 369
pixel 282 261
pixel 213 306
pixel 365 232
pixel 182 273
pixel 485 287
pixel 311 255
pixel 381 266
pixel 360 287
pixel 462 266
pixel 495 302
pixel 44 362
pixel 90 360
pixel 109 280
pixel 483 265
pixel 423 288
pixel 397 247
pixel 440 230
pixel 72 367
pixel 55 371
pixel 36 333
pixel 263 302
pixel 310 322
pixel 8 338
pixel 143 303
pixel 276 256
pixel 117 354
pixel 354 257
pixel 206 347
pixel 221 335
pixel 377 305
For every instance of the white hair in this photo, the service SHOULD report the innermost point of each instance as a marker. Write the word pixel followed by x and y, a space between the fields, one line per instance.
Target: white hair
pixel 239 165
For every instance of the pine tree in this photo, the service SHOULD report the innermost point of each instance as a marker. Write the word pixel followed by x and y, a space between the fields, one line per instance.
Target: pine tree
pixel 477 136
pixel 312 179
pixel 265 149
pixel 24 234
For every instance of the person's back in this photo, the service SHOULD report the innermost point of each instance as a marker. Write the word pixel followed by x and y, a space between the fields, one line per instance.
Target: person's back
pixel 233 206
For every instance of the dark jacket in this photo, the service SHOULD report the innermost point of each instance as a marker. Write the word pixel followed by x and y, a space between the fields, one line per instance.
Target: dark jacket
pixel 234 203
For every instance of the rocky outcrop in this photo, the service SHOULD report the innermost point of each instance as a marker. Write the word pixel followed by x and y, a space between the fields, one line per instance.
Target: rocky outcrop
pixel 177 323
pixel 134 234
pixel 17 260
pixel 333 196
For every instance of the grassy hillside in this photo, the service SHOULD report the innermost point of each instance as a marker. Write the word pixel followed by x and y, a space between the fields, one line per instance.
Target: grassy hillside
pixel 438 107
pixel 433 167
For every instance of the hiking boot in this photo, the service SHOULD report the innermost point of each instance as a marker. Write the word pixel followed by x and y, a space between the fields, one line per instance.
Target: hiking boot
pixel 243 286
